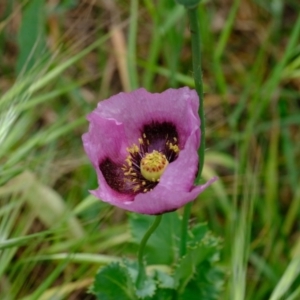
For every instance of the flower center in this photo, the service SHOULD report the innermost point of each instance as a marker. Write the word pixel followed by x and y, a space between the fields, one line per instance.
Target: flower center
pixel 146 162
pixel 153 165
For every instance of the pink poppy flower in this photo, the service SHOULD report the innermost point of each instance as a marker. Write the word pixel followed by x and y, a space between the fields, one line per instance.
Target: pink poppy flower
pixel 143 147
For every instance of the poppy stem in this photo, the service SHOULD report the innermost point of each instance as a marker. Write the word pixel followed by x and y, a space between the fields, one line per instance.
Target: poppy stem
pixel 143 243
pixel 197 73
pixel 184 228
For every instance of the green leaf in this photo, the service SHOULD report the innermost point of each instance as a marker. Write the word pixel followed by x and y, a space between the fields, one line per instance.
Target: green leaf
pixel 165 280
pixel 147 286
pixel 189 3
pixel 207 283
pixel 163 245
pixel 164 294
pixel 31 36
pixel 198 232
pixel 205 250
pixel 111 283
pixel 196 270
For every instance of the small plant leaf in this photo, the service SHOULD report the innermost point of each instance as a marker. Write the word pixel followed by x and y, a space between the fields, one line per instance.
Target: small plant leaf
pixel 197 233
pixel 165 281
pixel 164 294
pixel 146 287
pixel 204 251
pixel 163 245
pixel 207 283
pixel 112 282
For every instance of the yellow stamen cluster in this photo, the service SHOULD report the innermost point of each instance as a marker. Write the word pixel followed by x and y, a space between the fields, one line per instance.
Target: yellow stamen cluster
pixel 142 170
pixel 133 149
pixel 153 165
pixel 129 172
pixel 173 147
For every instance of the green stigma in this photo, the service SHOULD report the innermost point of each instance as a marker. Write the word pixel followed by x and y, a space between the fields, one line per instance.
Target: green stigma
pixel 153 165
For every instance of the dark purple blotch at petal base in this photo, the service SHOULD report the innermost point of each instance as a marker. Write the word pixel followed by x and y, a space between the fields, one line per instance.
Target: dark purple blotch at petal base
pixel 114 175
pixel 127 126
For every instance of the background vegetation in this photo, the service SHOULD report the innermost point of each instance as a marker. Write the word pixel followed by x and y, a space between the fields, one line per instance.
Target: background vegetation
pixel 59 58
